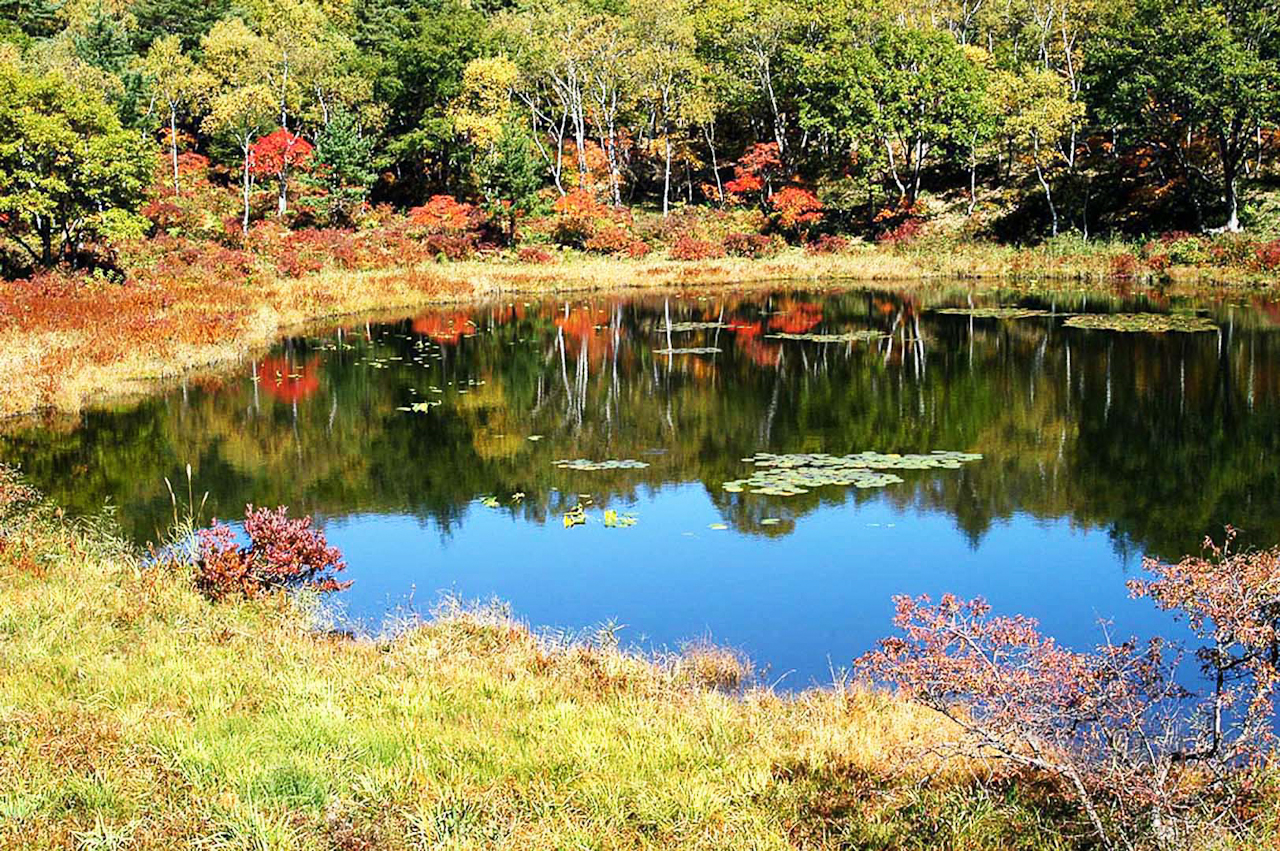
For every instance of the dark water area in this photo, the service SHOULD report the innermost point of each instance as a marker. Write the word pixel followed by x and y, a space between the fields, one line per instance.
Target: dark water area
pixel 426 448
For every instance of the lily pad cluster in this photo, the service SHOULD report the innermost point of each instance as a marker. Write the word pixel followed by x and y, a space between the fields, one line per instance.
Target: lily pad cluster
pixel 847 337
pixel 585 464
pixel 792 475
pixel 677 327
pixel 993 312
pixel 1154 323
pixel 701 350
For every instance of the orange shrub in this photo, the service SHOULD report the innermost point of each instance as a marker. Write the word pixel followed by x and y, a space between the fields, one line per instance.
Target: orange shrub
pixel 687 248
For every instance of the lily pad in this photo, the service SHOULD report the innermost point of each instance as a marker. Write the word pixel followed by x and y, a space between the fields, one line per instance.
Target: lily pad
pixel 585 464
pixel 847 337
pixel 703 350
pixel 677 327
pixel 993 312
pixel 1152 323
pixel 792 475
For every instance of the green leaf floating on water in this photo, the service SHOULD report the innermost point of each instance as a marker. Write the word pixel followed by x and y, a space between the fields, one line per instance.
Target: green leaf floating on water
pixel 704 350
pixel 993 312
pixel 586 464
pixel 1153 323
pixel 848 337
pixel 792 475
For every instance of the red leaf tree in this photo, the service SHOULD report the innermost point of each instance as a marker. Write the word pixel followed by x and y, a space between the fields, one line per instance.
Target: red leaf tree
pixel 275 156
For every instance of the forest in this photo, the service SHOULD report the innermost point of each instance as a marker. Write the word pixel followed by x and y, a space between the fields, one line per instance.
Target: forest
pixel 618 126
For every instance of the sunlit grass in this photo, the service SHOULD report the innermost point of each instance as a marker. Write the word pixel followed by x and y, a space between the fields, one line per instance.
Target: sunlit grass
pixel 136 714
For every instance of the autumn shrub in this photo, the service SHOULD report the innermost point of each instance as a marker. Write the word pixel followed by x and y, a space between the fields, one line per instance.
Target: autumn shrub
pixel 582 221
pixel 638 248
pixel 687 248
pixel 1267 256
pixel 281 553
pixel 752 245
pixel 827 244
pixel 609 240
pixel 450 247
pixel 795 210
pixel 1124 265
pixel 442 215
pixel 1147 760
pixel 535 254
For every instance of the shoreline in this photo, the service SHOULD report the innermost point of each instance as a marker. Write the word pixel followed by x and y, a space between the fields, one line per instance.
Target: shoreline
pixel 94 358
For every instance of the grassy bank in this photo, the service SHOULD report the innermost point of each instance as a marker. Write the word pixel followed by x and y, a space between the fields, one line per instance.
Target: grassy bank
pixel 66 340
pixel 136 714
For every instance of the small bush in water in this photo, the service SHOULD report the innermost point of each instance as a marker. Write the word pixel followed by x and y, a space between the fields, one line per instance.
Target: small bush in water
pixel 282 553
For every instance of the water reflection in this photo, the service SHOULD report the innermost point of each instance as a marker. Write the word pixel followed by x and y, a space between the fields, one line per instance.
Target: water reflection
pixel 1098 446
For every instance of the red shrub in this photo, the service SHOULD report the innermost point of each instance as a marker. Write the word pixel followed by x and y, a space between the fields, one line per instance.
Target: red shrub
pixel 450 247
pixel 755 171
pixel 796 209
pixel 903 233
pixel 687 248
pixel 1124 265
pixel 536 254
pixel 442 215
pixel 751 245
pixel 282 553
pixel 609 240
pixel 1268 256
pixel 638 248
pixel 827 244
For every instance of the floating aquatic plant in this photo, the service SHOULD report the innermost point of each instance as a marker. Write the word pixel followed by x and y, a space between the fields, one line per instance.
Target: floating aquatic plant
pixel 702 350
pixel 1153 323
pixel 993 312
pixel 576 516
pixel 588 465
pixel 847 337
pixel 677 327
pixel 792 475
pixel 613 519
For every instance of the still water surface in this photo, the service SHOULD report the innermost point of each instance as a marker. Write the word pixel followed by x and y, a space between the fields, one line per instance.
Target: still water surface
pixel 1098 447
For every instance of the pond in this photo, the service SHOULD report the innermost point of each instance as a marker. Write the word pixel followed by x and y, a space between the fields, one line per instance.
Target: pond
pixel 429 449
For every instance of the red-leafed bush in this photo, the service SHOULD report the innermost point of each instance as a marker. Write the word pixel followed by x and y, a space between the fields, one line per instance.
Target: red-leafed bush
pixel 1124 265
pixel 902 233
pixel 609 240
pixel 687 248
pixel 795 209
pixel 282 553
pixel 444 216
pixel 1268 256
pixel 827 244
pixel 450 247
pixel 536 254
pixel 638 248
pixel 580 218
pixel 1142 756
pixel 752 245
pixel 755 172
